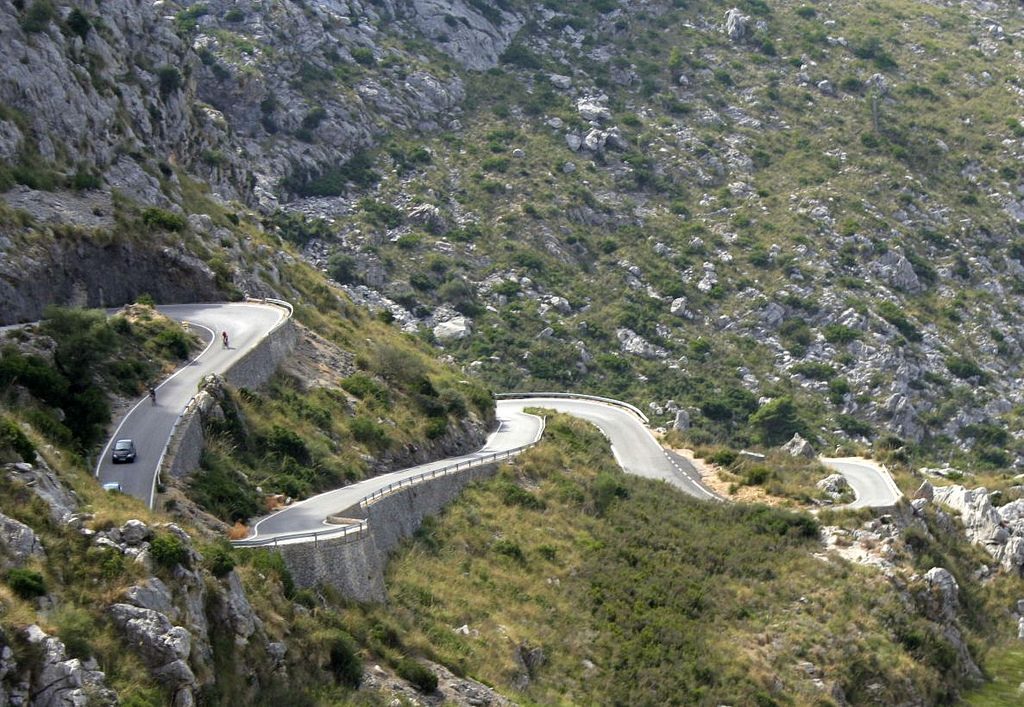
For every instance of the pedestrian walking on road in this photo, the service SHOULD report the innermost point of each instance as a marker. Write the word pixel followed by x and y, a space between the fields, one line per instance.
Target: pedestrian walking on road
pixel 224 338
pixel 152 394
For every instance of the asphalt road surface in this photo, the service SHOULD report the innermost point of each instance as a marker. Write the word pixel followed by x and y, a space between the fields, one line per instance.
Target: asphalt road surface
pixel 872 484
pixel 150 425
pixel 632 443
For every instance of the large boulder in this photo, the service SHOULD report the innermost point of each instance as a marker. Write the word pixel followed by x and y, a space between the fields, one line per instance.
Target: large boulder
pixel 799 447
pixel 163 647
pixel 18 543
pixel 454 329
pixel 835 485
pixel 59 681
pixel 232 612
pixel 682 421
pixel 736 24
pixel 1002 536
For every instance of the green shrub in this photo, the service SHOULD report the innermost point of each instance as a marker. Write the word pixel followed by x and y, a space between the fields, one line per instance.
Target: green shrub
pixel 421 677
pixel 168 550
pixel 605 489
pixel 895 316
pixel 219 559
pixel 723 457
pixel 174 342
pixel 514 495
pixel 368 432
pixel 85 179
pixel 267 561
pixel 436 427
pixel 380 213
pixel 334 180
pixel 363 56
pixel 38 17
pixel 342 268
pixel 78 23
pixel 509 548
pixel 13 439
pixel 840 334
pixel 756 475
pixel 169 79
pixel 814 370
pixel 776 421
pixel 965 368
pixel 161 218
pixel 234 15
pixel 344 662
pixel 27 584
pixel 186 20
pixel 77 629
pixel 364 387
pixel 518 55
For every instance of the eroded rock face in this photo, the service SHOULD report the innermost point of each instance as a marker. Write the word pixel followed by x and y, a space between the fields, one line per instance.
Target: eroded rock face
pixel 231 610
pixel 464 32
pixel 799 447
pixel 18 543
pixel 999 530
pixel 164 648
pixel 39 477
pixel 58 681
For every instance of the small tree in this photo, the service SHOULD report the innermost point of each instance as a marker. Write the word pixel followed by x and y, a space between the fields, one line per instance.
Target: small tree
pixel 168 550
pixel 26 583
pixel 776 421
pixel 169 78
pixel 344 662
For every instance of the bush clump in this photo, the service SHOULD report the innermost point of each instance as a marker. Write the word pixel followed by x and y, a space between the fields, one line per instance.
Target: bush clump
pixel 27 584
pixel 168 550
pixel 344 662
pixel 161 218
pixel 421 677
pixel 14 440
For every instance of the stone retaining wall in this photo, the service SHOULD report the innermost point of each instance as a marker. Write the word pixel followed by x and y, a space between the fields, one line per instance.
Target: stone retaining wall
pixel 354 565
pixel 185 447
pixel 255 368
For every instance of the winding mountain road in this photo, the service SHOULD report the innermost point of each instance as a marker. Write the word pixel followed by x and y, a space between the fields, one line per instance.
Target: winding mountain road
pixel 871 483
pixel 634 446
pixel 149 425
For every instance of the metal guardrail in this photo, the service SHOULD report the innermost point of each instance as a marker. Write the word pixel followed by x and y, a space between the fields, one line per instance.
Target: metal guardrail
pixel 370 499
pixel 443 471
pixel 579 396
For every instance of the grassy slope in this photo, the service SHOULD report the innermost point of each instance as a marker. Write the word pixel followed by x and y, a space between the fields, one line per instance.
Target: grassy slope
pixel 670 600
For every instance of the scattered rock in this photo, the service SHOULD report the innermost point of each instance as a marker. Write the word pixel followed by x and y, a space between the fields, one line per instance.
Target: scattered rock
pixel 736 24
pixel 799 447
pixel 454 329
pixel 18 543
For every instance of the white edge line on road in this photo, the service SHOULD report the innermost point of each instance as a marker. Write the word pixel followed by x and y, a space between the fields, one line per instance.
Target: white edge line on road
pixel 113 437
pixel 163 453
pixel 254 532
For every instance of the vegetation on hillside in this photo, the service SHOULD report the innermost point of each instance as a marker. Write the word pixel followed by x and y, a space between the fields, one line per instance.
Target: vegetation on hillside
pixel 669 599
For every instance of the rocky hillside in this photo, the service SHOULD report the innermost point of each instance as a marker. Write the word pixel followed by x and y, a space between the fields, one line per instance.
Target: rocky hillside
pixel 695 209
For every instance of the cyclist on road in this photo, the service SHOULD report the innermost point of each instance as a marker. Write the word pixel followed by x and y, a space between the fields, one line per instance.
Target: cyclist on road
pixel 224 338
pixel 152 394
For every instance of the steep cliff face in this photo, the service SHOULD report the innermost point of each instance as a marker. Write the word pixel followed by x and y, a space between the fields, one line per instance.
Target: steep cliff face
pixel 243 94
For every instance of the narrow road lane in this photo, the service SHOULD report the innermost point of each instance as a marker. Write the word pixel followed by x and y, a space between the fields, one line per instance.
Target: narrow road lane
pixel 871 483
pixel 149 425
pixel 634 447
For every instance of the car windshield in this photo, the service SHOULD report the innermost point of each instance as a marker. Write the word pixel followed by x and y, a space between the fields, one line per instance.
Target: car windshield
pixel 123 444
